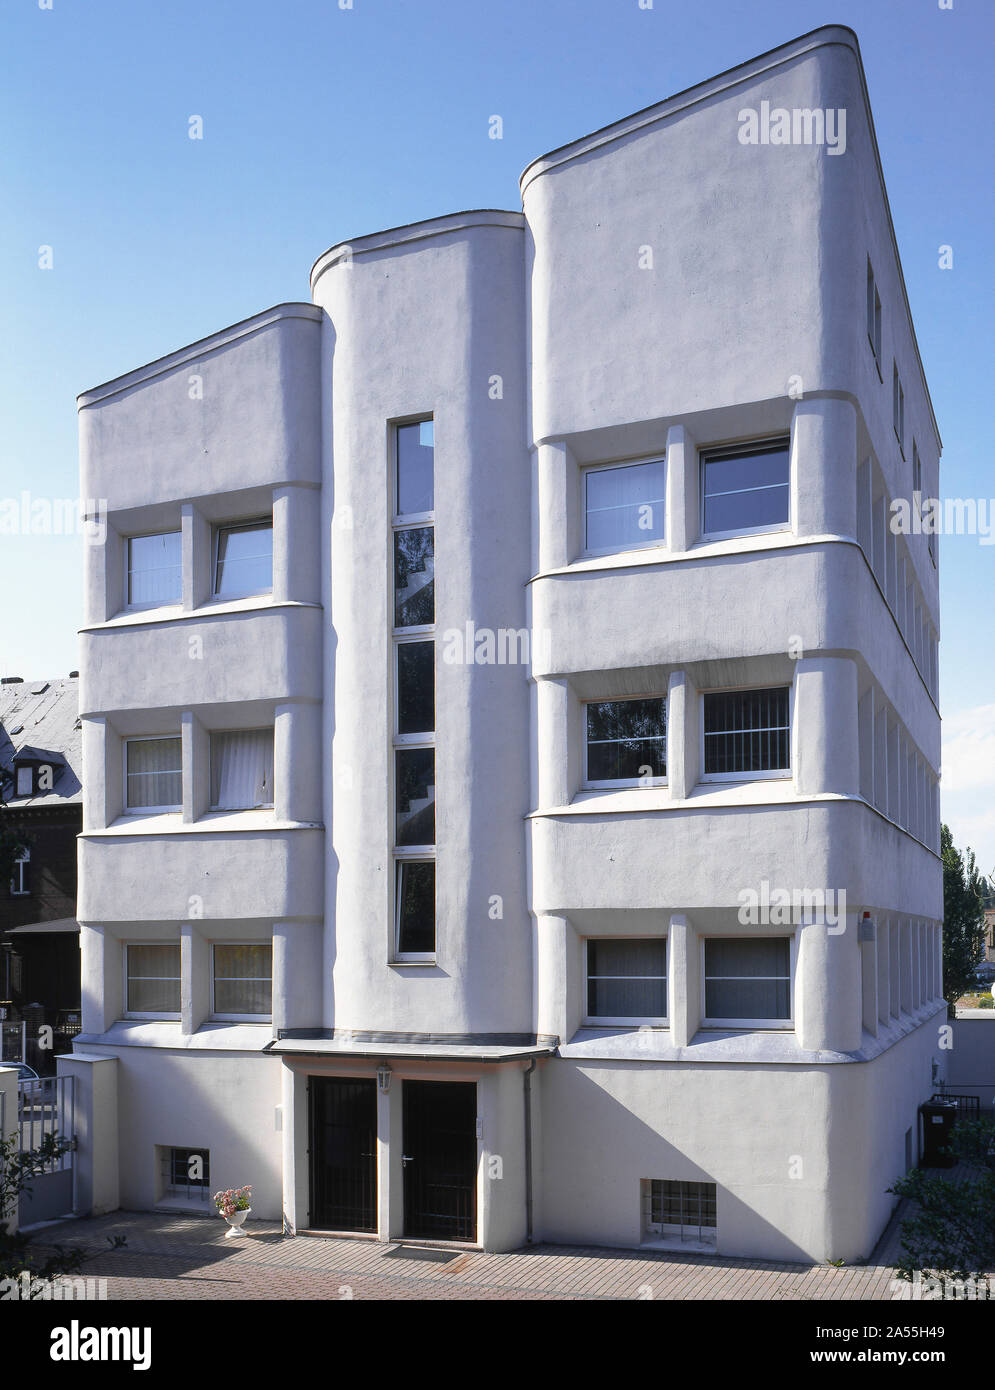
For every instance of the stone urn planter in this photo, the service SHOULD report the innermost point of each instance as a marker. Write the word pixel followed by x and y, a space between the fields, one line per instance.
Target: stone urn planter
pixel 235 1223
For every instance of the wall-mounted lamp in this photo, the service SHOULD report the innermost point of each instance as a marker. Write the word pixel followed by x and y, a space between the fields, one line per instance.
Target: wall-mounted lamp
pixel 384 1074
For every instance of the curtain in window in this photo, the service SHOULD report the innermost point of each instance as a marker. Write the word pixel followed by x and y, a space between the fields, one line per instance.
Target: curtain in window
pixel 154 568
pixel 748 978
pixel 627 979
pixel 625 506
pixel 242 770
pixel 154 772
pixel 154 979
pixel 243 979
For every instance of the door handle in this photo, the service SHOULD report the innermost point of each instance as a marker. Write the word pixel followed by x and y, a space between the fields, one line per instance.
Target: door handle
pixel 407 1158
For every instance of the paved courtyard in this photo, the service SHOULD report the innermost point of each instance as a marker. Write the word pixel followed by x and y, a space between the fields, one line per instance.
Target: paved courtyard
pixel 169 1256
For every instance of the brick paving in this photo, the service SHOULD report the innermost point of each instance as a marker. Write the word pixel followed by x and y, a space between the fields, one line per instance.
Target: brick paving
pixel 170 1256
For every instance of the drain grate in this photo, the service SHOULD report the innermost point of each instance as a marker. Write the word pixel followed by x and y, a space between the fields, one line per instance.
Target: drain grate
pixel 418 1252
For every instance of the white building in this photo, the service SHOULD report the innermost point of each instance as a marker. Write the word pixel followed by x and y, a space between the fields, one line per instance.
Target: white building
pixel 426 907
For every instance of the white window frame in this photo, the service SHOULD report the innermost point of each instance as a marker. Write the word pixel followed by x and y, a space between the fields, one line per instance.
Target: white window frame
pixel 18 875
pixel 624 1021
pixel 611 785
pixel 779 1025
pixel 242 1018
pixel 673 1237
pixel 404 636
pixel 237 810
pixel 874 316
pixel 777 774
pixel 168 1017
pixel 591 551
pixel 150 810
pixel 216 533
pixel 400 521
pixel 746 446
pixel 130 607
pixel 32 772
pixel 412 854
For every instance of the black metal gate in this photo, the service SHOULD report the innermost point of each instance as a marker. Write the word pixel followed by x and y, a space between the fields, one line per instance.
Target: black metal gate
pixel 343 1141
pixel 440 1159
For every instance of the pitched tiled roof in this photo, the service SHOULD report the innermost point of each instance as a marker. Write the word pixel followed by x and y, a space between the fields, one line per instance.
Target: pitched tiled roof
pixel 42 717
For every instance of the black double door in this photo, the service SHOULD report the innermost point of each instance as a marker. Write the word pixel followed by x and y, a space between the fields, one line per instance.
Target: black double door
pixel 343 1141
pixel 440 1159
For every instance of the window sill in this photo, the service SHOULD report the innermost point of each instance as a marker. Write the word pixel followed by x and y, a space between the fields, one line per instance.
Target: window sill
pixel 413 964
pixel 213 608
pixel 216 823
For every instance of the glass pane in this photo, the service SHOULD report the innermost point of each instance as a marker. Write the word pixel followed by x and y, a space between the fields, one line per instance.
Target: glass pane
pixel 625 506
pixel 627 979
pixel 245 559
pixel 243 979
pixel 747 999
pixel 414 573
pixel 746 957
pixel 154 568
pixel 416 908
pixel 747 731
pixel 415 796
pixel 624 738
pixel 627 958
pixel 415 687
pixel 242 770
pixel 154 979
pixel 154 772
pixel 627 998
pixel 415 468
pixel 744 492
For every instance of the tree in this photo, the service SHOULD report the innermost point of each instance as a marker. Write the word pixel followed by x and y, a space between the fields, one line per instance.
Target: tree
pixel 963 918
pixel 952 1235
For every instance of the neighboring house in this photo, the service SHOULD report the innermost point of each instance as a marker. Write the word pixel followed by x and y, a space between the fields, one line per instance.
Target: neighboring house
pixel 41 744
pixel 990 934
pixel 471 652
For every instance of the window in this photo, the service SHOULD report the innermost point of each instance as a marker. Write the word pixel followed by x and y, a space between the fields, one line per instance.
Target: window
pixel 244 559
pixel 414 691
pixel 20 883
pixel 624 506
pixel 873 315
pixel 627 980
pixel 414 796
pixel 416 909
pixel 152 980
pixel 155 573
pixel 746 732
pixel 415 687
pixel 186 1173
pixel 415 475
pixel 626 742
pixel 24 781
pixel 898 408
pixel 154 775
pixel 414 574
pixel 679 1211
pixel 748 980
pixel 916 470
pixel 242 770
pixel 745 490
pixel 243 980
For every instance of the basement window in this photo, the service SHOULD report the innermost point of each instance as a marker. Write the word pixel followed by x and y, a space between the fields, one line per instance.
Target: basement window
pixel 185 1174
pixel 678 1213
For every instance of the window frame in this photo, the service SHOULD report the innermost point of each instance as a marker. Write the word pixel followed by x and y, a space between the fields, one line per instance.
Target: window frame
pixel 742 450
pixel 217 530
pixel 771 1025
pixel 21 874
pixel 780 774
pixel 238 810
pixel 587 784
pixel 150 810
pixel 241 1018
pixel 626 1021
pixel 898 407
pixel 128 605
pixel 874 317
pixel 401 520
pixel 32 771
pixel 162 1016
pixel 590 552
pixel 412 854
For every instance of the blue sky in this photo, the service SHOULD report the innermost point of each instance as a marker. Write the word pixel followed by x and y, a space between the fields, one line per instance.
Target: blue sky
pixel 322 123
